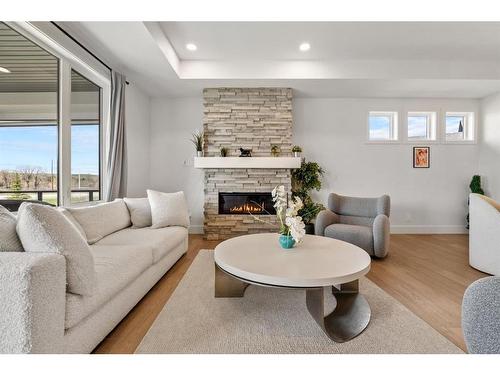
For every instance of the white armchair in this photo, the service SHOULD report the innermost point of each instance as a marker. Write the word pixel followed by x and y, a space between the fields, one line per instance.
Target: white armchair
pixel 484 234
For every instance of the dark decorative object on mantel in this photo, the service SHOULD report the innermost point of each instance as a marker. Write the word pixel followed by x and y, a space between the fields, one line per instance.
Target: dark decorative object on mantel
pixel 245 152
pixel 475 187
pixel 305 179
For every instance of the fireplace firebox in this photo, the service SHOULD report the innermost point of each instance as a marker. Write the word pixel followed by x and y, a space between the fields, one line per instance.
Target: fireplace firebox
pixel 246 203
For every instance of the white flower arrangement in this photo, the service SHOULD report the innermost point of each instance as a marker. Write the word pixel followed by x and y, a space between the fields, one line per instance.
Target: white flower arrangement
pixel 291 223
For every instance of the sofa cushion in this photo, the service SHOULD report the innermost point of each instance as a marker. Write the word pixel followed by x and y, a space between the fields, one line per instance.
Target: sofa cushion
pixel 140 212
pixel 116 267
pixel 102 219
pixel 73 221
pixel 168 209
pixel 43 229
pixel 9 240
pixel 161 240
pixel 358 235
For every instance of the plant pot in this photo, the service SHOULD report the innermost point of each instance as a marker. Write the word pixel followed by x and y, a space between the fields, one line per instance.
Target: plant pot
pixel 309 228
pixel 199 153
pixel 296 154
pixel 286 242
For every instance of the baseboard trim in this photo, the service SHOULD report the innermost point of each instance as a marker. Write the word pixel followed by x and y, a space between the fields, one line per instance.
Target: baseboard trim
pixel 196 229
pixel 428 229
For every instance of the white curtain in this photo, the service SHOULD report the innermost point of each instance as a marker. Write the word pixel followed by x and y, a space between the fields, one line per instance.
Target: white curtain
pixel 116 184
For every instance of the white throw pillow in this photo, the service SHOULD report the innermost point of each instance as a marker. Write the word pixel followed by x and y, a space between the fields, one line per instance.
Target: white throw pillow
pixel 43 229
pixel 168 209
pixel 9 241
pixel 140 212
pixel 73 221
pixel 101 220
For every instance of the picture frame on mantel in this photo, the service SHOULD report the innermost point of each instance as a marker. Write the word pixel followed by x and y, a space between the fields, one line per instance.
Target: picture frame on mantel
pixel 421 157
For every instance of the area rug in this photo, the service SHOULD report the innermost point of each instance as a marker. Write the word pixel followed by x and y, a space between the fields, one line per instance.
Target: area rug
pixel 269 320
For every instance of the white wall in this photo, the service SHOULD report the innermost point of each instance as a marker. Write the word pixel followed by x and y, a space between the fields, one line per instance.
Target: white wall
pixel 137 117
pixel 333 133
pixel 489 160
pixel 172 122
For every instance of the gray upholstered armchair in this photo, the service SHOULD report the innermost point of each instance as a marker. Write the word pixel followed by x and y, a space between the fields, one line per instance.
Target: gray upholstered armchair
pixel 363 222
pixel 481 316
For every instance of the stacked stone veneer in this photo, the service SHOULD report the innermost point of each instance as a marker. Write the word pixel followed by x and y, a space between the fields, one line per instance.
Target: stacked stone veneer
pixel 254 118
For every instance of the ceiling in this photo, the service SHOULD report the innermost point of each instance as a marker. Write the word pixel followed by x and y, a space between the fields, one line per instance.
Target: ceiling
pixel 346 59
pixel 336 40
pixel 32 69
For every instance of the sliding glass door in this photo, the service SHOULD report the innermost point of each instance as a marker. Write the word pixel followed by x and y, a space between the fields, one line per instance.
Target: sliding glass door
pixel 53 118
pixel 85 139
pixel 29 89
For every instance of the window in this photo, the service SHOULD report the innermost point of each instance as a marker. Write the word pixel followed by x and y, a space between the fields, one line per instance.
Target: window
pixel 459 127
pixel 29 131
pixel 383 126
pixel 85 139
pixel 421 126
pixel 52 117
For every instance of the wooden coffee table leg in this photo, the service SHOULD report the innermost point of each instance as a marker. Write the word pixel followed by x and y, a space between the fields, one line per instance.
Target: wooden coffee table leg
pixel 228 286
pixel 350 317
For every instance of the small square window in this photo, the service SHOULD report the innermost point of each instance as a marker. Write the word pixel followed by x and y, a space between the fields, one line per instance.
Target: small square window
pixel 459 126
pixel 421 126
pixel 383 126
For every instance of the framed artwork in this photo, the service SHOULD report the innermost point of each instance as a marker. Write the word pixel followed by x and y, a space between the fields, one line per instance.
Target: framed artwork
pixel 421 157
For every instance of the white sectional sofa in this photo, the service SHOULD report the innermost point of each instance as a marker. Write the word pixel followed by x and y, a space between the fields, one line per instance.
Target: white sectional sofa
pixel 39 315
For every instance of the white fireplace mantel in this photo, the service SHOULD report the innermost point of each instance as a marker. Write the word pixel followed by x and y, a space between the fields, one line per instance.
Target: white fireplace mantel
pixel 233 162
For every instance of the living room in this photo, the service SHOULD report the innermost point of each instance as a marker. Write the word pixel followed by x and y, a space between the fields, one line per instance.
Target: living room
pixel 243 184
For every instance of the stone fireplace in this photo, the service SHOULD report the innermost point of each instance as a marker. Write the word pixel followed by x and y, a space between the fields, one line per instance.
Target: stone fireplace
pixel 251 118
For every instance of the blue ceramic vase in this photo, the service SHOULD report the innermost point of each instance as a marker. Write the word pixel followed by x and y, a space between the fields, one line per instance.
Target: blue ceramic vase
pixel 287 242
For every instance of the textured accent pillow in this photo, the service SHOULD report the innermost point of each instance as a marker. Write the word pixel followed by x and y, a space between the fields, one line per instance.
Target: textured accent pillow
pixel 44 229
pixel 9 241
pixel 73 221
pixel 140 212
pixel 103 219
pixel 168 209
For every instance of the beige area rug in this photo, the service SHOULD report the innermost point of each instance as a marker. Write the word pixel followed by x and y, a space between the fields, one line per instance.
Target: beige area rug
pixel 269 320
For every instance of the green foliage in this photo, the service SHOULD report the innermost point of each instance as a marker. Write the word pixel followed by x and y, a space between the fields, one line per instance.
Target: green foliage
pixel 197 140
pixel 16 189
pixel 224 151
pixel 475 185
pixel 305 179
pixel 296 149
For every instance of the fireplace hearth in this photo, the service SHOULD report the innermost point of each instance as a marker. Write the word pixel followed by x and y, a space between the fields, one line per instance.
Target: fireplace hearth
pixel 246 203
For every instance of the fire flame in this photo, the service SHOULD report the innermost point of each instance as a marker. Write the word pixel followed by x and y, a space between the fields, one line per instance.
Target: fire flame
pixel 251 208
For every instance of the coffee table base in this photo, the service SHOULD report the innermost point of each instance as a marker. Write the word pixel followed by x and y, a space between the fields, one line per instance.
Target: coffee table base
pixel 349 318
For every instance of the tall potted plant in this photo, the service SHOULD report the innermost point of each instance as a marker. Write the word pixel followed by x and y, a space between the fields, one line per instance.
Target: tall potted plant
pixel 304 180
pixel 475 187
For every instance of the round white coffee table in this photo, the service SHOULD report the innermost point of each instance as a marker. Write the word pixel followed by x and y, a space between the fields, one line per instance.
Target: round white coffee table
pixel 324 267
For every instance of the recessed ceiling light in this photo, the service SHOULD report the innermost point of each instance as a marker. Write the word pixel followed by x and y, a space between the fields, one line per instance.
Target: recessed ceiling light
pixel 305 47
pixel 4 70
pixel 191 47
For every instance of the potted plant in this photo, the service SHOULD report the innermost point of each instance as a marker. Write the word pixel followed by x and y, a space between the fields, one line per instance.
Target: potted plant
pixel 475 187
pixel 296 151
pixel 197 140
pixel 305 179
pixel 291 224
pixel 224 151
pixel 275 150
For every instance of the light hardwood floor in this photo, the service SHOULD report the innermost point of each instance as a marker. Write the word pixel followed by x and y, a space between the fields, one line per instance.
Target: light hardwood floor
pixel 426 273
